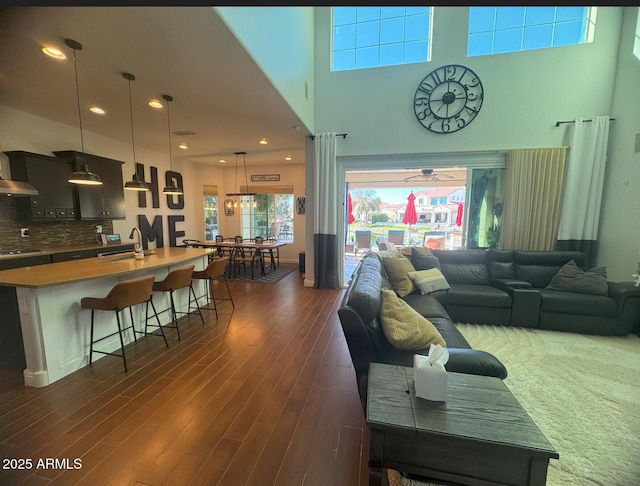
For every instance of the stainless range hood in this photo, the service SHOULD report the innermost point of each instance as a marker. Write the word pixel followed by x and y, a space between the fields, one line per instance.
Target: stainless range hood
pixel 13 188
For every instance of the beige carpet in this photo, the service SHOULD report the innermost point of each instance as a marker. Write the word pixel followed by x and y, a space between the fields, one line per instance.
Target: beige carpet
pixel 582 391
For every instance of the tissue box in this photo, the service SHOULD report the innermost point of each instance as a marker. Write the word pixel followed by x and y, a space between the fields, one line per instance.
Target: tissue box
pixel 430 379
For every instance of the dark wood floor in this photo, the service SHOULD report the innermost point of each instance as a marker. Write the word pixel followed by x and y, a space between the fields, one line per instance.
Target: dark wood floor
pixel 264 395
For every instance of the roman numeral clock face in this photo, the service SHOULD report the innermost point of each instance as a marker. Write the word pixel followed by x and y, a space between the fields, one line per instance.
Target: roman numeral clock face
pixel 448 99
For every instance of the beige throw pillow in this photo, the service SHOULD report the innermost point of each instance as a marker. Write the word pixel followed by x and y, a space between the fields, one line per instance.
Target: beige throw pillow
pixel 429 280
pixel 404 327
pixel 397 267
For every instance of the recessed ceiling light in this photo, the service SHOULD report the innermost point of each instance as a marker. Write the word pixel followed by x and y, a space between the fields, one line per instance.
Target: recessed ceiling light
pixel 183 146
pixel 263 141
pixel 97 110
pixel 155 104
pixel 222 161
pixel 288 157
pixel 53 52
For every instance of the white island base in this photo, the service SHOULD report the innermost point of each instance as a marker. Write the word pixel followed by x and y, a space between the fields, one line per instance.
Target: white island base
pixel 56 331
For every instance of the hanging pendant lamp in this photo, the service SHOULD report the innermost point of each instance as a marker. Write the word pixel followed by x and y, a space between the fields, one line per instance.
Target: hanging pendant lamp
pixel 237 193
pixel 172 188
pixel 82 176
pixel 135 184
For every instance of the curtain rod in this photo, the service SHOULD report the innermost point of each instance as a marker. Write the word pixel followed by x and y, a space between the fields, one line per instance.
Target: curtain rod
pixel 558 123
pixel 343 135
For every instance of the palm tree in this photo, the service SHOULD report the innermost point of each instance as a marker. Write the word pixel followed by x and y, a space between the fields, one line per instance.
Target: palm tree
pixel 365 202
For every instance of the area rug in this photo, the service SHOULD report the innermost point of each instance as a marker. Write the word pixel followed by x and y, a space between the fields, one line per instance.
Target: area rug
pixel 583 393
pixel 272 276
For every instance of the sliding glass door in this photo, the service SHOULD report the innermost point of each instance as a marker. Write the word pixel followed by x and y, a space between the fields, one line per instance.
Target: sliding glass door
pixel 484 207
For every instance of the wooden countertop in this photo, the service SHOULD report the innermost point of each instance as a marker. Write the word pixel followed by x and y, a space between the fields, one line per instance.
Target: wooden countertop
pixel 98 267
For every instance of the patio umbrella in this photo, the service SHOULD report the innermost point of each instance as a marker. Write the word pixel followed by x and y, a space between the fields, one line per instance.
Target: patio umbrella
pixel 350 217
pixel 410 217
pixel 459 215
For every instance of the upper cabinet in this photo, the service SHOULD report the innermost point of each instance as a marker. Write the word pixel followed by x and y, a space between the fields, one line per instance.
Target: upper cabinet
pixel 98 202
pixel 48 175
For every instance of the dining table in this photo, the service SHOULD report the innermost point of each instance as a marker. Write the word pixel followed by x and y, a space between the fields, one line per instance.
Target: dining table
pixel 248 244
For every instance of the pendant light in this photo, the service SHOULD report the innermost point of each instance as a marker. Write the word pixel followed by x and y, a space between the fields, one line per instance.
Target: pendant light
pixel 135 184
pixel 82 176
pixel 247 193
pixel 172 188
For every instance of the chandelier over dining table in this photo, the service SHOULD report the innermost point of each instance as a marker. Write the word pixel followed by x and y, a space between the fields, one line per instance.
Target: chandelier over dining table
pixel 239 194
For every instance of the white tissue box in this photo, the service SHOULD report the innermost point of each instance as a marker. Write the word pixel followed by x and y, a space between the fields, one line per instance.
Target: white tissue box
pixel 430 379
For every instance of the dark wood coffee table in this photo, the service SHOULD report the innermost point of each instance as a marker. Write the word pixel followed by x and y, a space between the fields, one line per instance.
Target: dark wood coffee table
pixel 481 435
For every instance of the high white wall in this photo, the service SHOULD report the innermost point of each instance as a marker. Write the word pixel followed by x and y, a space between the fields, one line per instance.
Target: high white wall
pixel 525 94
pixel 619 234
pixel 280 40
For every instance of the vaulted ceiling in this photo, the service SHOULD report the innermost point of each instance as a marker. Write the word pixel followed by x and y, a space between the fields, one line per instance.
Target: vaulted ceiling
pixel 218 91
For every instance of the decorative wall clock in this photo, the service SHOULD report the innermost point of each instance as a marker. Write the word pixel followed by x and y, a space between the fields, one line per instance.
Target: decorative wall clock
pixel 448 99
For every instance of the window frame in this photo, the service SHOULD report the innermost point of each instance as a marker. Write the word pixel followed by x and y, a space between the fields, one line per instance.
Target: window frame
pixel 405 44
pixel 520 30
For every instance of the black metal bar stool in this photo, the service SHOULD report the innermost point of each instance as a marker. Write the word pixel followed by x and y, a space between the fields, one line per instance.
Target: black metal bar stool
pixel 214 271
pixel 122 295
pixel 177 279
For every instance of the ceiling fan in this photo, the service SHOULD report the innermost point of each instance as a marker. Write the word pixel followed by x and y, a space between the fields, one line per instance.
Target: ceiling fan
pixel 429 175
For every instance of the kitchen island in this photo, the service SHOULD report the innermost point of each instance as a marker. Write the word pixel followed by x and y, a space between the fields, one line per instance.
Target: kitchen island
pixel 55 330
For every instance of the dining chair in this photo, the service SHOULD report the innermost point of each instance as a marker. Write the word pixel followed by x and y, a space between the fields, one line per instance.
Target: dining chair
pixel 243 256
pixel 221 250
pixel 273 253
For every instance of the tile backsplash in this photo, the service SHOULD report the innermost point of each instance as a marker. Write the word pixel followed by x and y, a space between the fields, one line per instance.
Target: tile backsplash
pixel 45 234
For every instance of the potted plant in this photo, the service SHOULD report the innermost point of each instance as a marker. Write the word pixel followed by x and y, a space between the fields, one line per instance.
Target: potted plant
pixel 493 235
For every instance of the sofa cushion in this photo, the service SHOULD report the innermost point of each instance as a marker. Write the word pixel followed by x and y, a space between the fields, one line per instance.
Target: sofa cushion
pixel 408 250
pixel 464 266
pixel 573 303
pixel 423 261
pixel 397 267
pixel 404 327
pixel 570 278
pixel 477 295
pixel 539 267
pixel 429 281
pixel 538 276
pixel 465 273
pixel 427 305
pixel 364 296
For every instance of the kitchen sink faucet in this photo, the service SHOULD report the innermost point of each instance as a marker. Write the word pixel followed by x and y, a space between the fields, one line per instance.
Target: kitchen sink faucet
pixel 138 252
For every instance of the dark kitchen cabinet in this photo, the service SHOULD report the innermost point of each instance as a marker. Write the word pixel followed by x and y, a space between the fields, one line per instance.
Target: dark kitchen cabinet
pixel 55 201
pixel 98 202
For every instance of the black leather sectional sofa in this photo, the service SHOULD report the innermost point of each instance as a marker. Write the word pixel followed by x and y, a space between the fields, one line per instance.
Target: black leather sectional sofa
pixel 359 316
pixel 508 287
pixel 500 287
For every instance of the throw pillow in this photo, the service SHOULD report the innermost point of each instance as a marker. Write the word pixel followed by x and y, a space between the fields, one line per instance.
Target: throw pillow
pixel 572 278
pixel 403 326
pixel 407 250
pixel 429 280
pixel 423 261
pixel 397 267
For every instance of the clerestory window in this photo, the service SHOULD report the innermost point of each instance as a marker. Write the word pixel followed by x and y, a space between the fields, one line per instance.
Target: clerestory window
pixel 496 30
pixel 365 37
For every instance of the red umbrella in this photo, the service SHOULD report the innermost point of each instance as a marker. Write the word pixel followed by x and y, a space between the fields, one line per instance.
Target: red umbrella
pixel 350 217
pixel 410 217
pixel 459 215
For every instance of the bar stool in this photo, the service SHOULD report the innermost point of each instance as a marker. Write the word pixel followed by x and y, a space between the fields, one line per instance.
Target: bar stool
pixel 177 279
pixel 122 295
pixel 215 270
